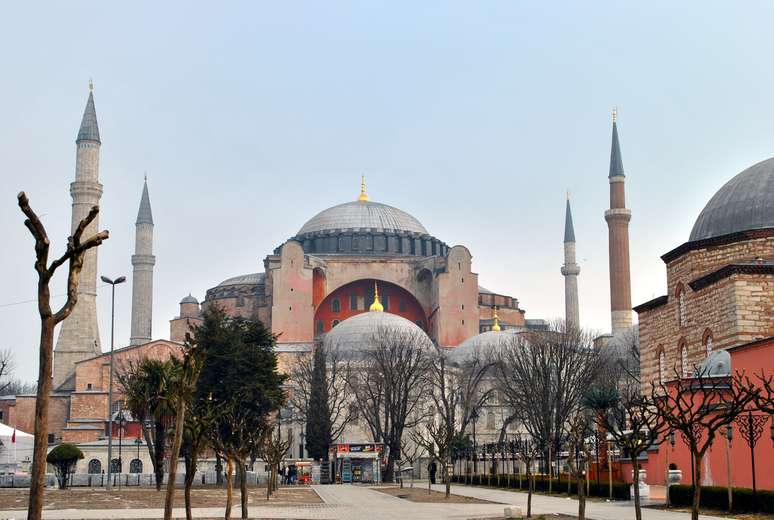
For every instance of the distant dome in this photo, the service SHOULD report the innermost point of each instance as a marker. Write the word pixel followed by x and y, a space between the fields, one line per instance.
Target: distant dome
pixel 189 299
pixel 365 215
pixel 717 364
pixel 356 334
pixel 245 279
pixel 744 203
pixel 484 345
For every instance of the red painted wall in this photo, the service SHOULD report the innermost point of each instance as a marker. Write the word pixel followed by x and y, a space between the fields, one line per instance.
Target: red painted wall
pixel 750 359
pixel 391 296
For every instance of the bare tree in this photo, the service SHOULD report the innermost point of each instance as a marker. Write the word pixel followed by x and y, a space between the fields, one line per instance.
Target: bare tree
pixel 457 389
pixel 6 369
pixel 410 452
pixel 543 375
pixel 528 451
pixel 388 384
pixel 74 254
pixel 272 449
pixel 18 387
pixel 578 430
pixel 698 407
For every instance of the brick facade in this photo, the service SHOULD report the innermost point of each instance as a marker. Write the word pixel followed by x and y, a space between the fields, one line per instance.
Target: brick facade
pixel 728 293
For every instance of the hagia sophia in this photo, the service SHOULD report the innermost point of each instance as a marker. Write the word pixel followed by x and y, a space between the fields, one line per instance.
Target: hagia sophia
pixel 360 253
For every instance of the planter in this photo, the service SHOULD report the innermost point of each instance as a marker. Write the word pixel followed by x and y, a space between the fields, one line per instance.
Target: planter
pixel 642 475
pixel 674 476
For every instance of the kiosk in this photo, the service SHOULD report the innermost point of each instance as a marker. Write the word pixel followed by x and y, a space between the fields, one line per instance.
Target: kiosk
pixel 355 463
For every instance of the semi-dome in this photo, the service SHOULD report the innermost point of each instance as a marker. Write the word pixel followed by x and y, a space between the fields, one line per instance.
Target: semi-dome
pixel 244 279
pixel 363 215
pixel 744 203
pixel 484 345
pixel 358 333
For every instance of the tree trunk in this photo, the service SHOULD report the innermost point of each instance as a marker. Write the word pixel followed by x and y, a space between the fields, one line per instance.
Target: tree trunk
pixel 170 497
pixel 190 474
pixel 636 485
pixel 243 487
pixel 581 493
pixel 696 487
pixel 530 488
pixel 550 472
pixel 229 486
pixel 158 455
pixel 447 478
pixel 40 446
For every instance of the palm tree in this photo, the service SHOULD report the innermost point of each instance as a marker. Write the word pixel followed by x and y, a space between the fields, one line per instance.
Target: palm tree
pixel 148 389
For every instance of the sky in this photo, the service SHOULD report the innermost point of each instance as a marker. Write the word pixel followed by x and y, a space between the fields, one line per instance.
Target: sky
pixel 475 117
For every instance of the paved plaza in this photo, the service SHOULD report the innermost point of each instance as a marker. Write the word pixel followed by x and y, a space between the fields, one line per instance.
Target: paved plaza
pixel 349 502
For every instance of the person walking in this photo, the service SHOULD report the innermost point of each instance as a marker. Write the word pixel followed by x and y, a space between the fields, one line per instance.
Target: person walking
pixel 432 469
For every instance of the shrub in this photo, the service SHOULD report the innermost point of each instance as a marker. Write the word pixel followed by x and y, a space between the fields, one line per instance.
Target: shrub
pixel 621 490
pixel 716 497
pixel 63 458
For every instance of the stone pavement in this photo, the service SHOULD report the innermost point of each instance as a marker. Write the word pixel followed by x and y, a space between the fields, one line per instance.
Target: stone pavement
pixel 347 502
pixel 595 510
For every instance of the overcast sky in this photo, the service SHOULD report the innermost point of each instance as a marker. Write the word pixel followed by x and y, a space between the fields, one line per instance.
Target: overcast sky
pixel 475 117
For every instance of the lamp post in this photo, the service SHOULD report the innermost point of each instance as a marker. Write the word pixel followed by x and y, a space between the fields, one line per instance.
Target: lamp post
pixel 120 445
pixel 666 481
pixel 751 428
pixel 474 418
pixel 729 437
pixel 113 283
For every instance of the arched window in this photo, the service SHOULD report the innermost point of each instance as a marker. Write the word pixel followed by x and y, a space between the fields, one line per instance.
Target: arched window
pixel 661 365
pixel 135 466
pixel 319 327
pixel 681 305
pixel 684 364
pixel 353 302
pixel 115 466
pixel 708 342
pixel 95 467
pixel 335 305
pixel 490 421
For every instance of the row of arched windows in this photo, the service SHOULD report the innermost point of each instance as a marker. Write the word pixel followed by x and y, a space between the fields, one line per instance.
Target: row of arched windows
pixel 686 368
pixel 95 466
pixel 353 303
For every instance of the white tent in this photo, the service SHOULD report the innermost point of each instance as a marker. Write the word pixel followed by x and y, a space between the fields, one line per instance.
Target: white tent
pixel 14 453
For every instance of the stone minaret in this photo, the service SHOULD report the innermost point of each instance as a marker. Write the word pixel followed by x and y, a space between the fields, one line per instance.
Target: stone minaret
pixel 570 271
pixel 142 277
pixel 79 335
pixel 617 218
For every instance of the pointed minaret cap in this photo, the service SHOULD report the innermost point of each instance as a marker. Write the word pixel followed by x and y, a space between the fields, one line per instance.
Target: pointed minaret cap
pixel 616 163
pixel 363 196
pixel 377 305
pixel 89 130
pixel 495 321
pixel 569 230
pixel 145 215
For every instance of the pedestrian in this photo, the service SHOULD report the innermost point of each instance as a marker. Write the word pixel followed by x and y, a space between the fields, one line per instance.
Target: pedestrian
pixel 432 469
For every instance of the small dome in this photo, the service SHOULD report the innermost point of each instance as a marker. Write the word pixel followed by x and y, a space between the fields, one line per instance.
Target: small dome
pixel 717 364
pixel 484 345
pixel 744 203
pixel 245 279
pixel 356 334
pixel 189 299
pixel 362 214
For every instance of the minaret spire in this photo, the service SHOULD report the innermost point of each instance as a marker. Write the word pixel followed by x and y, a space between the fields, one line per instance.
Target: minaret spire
pixel 142 279
pixel 570 271
pixel 618 217
pixel 79 336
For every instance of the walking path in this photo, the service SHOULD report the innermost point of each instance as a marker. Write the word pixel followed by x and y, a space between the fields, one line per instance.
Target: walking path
pixel 347 502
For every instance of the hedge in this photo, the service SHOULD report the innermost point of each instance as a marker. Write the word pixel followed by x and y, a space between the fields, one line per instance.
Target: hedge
pixel 621 490
pixel 716 497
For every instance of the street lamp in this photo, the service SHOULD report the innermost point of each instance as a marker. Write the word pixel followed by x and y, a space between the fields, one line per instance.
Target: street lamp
pixel 113 283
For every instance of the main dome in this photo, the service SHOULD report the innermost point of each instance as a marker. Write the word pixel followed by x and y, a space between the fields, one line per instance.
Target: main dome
pixel 744 203
pixel 358 333
pixel 362 215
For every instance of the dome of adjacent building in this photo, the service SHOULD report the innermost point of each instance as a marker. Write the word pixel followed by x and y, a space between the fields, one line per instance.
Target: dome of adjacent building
pixel 244 279
pixel 189 299
pixel 484 345
pixel 744 203
pixel 357 334
pixel 363 215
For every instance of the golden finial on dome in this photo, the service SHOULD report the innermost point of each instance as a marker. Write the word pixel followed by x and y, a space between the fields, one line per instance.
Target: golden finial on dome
pixel 91 85
pixel 615 114
pixel 377 305
pixel 363 196
pixel 495 320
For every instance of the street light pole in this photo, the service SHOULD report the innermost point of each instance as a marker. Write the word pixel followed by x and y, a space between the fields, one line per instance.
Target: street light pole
pixel 113 283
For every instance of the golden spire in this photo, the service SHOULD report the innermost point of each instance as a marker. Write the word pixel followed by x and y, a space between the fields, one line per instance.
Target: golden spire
pixel 495 320
pixel 377 305
pixel 91 85
pixel 615 114
pixel 363 197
